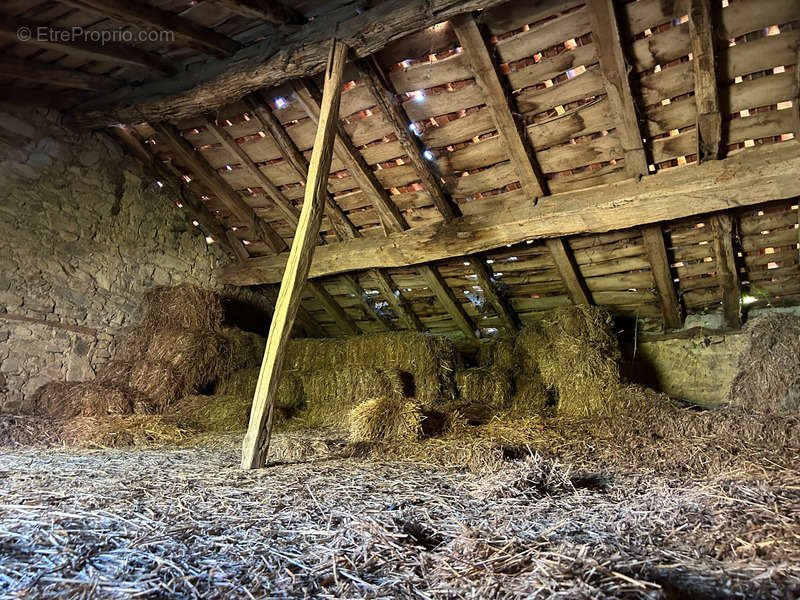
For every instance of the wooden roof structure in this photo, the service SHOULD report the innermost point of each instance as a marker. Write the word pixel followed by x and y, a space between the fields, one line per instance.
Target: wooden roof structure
pixel 492 158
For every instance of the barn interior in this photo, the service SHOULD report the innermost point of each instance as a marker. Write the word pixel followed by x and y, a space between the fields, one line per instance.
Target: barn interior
pixel 400 299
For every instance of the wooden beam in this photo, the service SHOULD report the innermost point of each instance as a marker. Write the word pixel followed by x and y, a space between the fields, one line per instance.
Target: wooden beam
pixel 706 90
pixel 256 440
pixel 187 155
pixel 264 10
pixel 366 302
pixel 341 223
pixel 569 271
pixel 448 300
pixel 764 173
pixel 394 112
pixel 727 272
pixel 148 16
pixel 37 72
pixel 508 317
pixel 391 217
pixel 341 318
pixel 615 69
pixel 653 238
pixel 796 100
pixel 497 100
pixel 395 298
pixel 58 39
pixel 285 206
pixel 269 62
pixel 309 324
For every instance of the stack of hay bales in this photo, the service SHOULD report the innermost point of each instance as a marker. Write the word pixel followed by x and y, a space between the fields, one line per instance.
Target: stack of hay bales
pixel 489 386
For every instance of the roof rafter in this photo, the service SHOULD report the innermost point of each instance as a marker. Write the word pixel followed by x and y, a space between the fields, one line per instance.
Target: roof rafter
pixel 727 272
pixel 653 237
pixel 38 72
pixel 268 11
pixel 508 317
pixel 341 318
pixel 363 298
pixel 568 270
pixel 706 90
pixel 447 299
pixel 394 297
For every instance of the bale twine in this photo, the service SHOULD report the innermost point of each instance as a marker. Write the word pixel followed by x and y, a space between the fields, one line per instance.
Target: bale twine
pixel 488 386
pixel 387 418
pixel 184 306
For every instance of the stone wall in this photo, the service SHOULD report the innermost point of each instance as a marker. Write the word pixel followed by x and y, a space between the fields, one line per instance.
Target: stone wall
pixel 84 232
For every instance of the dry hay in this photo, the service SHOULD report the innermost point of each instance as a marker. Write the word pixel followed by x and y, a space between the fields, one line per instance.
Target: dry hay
pixel 768 378
pixel 160 382
pixel 89 398
pixel 497 353
pixel 25 431
pixel 244 349
pixel 121 432
pixel 199 356
pixel 242 385
pixel 531 396
pixel 577 354
pixel 486 386
pixel 184 306
pixel 211 413
pixel 49 399
pixel 115 372
pixel 386 418
pixel 430 359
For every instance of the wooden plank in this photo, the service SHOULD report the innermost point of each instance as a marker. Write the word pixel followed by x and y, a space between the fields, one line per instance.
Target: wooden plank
pixel 614 66
pixel 394 112
pixel 401 307
pixel 761 174
pixel 448 300
pixel 367 303
pixel 343 321
pixel 727 272
pixel 568 269
pixel 150 17
pixel 497 101
pixel 657 255
pixel 505 313
pixel 706 92
pixel 37 72
pixel 219 187
pixel 391 217
pixel 796 98
pixel 256 440
pixel 268 11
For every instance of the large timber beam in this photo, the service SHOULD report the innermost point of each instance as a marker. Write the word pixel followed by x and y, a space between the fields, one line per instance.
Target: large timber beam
pixel 761 174
pixel 148 16
pixel 505 313
pixel 336 312
pixel 269 62
pixel 36 72
pixel 447 299
pixel 568 270
pixel 727 272
pixel 706 90
pixel 796 100
pixel 187 155
pixel 256 440
pixel 366 302
pixel 653 238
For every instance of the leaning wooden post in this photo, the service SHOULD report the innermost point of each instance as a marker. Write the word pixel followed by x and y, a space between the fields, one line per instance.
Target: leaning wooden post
pixel 256 441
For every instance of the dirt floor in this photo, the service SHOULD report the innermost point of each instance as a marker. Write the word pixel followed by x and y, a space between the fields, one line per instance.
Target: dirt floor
pixel 187 523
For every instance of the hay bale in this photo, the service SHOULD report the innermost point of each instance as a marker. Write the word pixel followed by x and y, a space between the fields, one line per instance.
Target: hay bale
pixel 484 385
pixel 96 399
pixel 184 306
pixel 50 399
pixel 242 385
pixel 198 356
pixel 387 418
pixel 497 353
pixel 115 372
pixel 159 381
pixel 120 431
pixel 531 396
pixel 212 413
pixel 768 378
pixel 243 348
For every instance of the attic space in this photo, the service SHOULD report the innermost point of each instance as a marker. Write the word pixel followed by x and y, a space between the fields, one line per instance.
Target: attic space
pixel 417 299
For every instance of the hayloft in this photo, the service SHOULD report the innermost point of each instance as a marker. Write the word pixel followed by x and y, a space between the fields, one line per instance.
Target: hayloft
pixel 399 299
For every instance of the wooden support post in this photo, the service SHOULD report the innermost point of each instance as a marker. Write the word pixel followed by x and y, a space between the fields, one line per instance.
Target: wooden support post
pixel 514 135
pixel 256 441
pixel 366 302
pixel 342 319
pixel 568 269
pixel 396 115
pixel 187 155
pixel 614 66
pixel 653 238
pixel 508 317
pixel 706 91
pixel 727 273
pixel 395 298
pixel 391 217
pixel 448 300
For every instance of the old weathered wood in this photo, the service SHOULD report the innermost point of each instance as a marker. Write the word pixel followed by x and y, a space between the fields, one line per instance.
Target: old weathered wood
pixel 614 67
pixel 706 89
pixel 496 99
pixel 29 70
pixel 187 155
pixel 366 301
pixel 307 322
pixel 508 317
pixel 265 10
pixel 448 300
pixel 336 312
pixel 727 272
pixel 64 41
pixel 796 98
pixel 569 271
pixel 148 16
pixel 270 62
pixel 287 209
pixel 394 297
pixel 396 114
pixel 391 217
pixel 256 440
pixel 653 238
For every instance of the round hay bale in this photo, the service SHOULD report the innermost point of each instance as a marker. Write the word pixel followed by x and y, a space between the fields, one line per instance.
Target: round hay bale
pixel 132 345
pixel 212 413
pixel 185 306
pixel 386 418
pixel 484 385
pixel 159 382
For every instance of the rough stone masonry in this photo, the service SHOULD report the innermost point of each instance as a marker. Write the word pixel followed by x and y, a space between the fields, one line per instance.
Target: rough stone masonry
pixel 84 232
